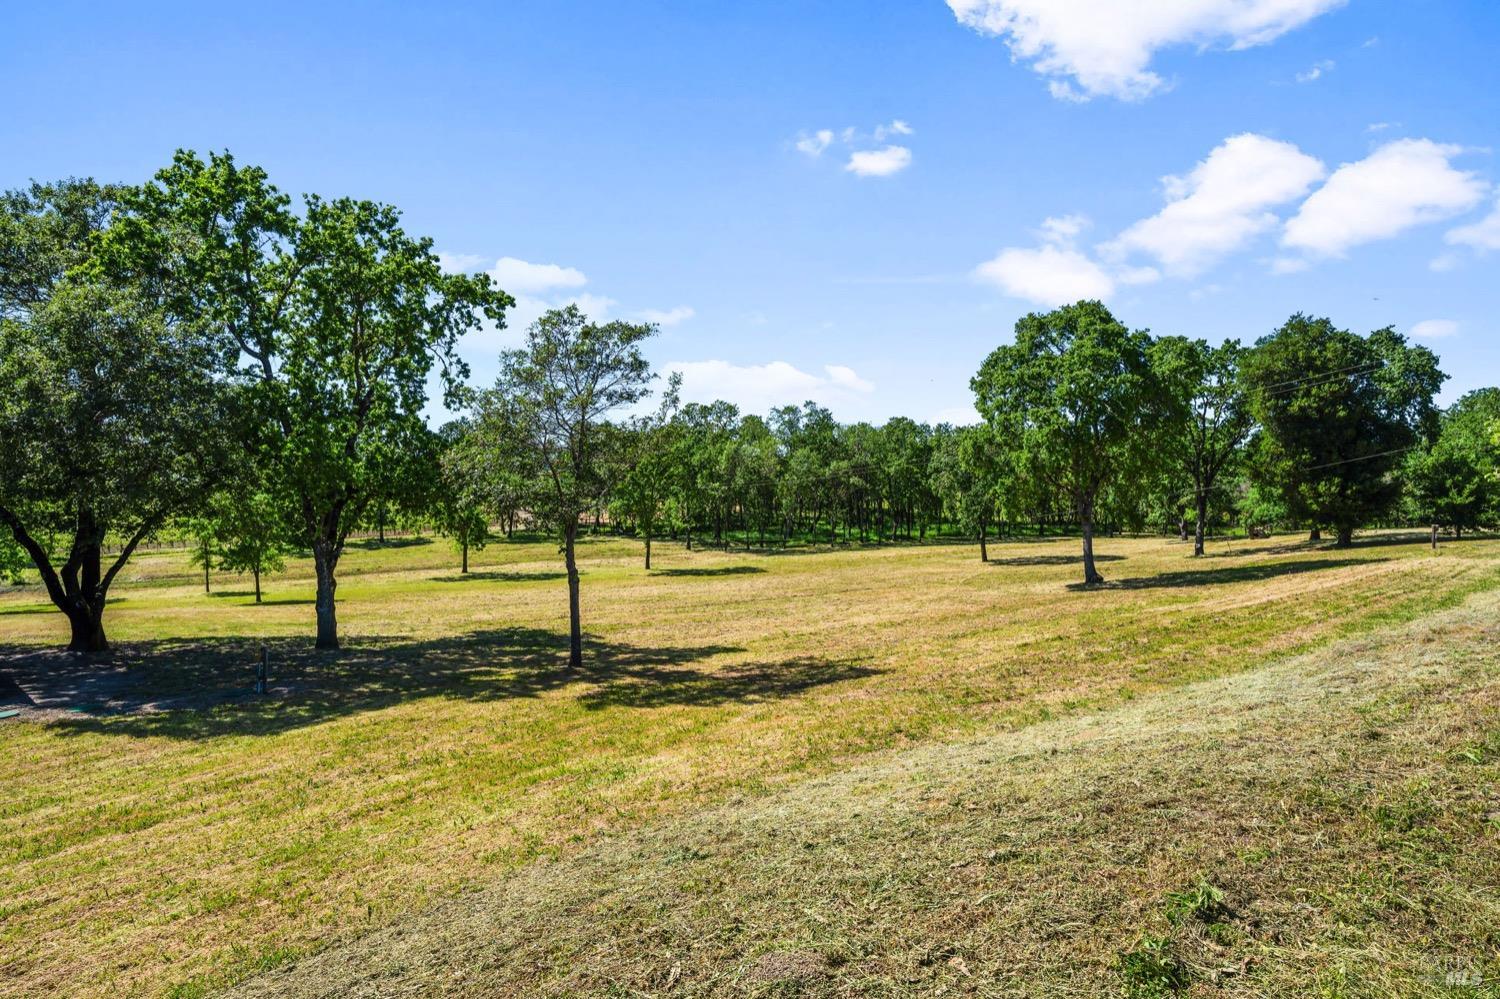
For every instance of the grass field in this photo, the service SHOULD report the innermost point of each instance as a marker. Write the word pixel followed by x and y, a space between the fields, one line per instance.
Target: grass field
pixel 192 836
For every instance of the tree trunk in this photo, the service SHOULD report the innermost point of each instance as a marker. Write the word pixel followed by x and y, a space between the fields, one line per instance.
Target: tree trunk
pixel 1315 534
pixel 1199 530
pixel 205 574
pixel 86 623
pixel 1434 537
pixel 1086 517
pixel 984 548
pixel 1182 528
pixel 648 550
pixel 1345 537
pixel 575 626
pixel 256 574
pixel 464 570
pixel 325 560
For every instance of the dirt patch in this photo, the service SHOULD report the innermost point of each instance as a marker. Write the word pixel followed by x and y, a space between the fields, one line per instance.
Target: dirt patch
pixel 788 966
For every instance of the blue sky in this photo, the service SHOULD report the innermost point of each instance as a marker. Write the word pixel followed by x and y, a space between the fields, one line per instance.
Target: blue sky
pixel 852 201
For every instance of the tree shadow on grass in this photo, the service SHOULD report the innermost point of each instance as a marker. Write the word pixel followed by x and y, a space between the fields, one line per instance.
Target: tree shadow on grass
pixel 1053 559
pixel 499 576
pixel 205 689
pixel 375 544
pixel 1300 544
pixel 1233 574
pixel 725 570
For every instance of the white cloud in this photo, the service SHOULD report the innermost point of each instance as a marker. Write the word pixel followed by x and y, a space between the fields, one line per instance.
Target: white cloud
pixel 518 277
pixel 1047 275
pixel 1091 48
pixel 668 317
pixel 1316 72
pixel 1402 184
pixel 845 378
pixel 1221 204
pixel 1481 235
pixel 879 162
pixel 814 144
pixel 1056 272
pixel 1062 228
pixel 758 388
pixel 1433 329
pixel 460 263
pixel 882 162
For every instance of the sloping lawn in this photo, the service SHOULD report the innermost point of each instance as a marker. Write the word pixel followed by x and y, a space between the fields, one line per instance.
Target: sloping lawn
pixel 181 834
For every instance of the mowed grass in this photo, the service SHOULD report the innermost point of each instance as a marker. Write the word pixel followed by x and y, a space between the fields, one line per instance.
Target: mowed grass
pixel 175 851
pixel 1328 826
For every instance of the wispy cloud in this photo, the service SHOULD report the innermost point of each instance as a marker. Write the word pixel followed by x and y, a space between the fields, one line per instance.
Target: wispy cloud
pixel 668 317
pixel 758 388
pixel 1434 329
pixel 1316 71
pixel 866 157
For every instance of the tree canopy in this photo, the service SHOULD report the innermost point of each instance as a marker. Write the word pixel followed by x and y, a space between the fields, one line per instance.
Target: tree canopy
pixel 1337 414
pixel 339 317
pixel 552 401
pixel 114 415
pixel 1076 401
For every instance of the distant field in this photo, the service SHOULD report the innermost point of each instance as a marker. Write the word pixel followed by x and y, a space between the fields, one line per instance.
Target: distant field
pixel 176 851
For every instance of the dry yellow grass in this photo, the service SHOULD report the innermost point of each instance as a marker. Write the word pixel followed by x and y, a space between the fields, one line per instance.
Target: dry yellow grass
pixel 1328 826
pixel 176 851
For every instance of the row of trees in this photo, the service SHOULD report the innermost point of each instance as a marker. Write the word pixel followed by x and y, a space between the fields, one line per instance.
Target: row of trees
pixel 193 351
pixel 1085 423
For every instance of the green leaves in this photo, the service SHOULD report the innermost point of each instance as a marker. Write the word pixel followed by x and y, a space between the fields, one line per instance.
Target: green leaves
pixel 1338 414
pixel 552 400
pixel 1074 400
pixel 1453 481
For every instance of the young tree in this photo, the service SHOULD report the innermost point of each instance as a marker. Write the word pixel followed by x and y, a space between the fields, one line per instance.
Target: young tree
pixel 1337 414
pixel 1452 482
pixel 1075 400
pixel 457 506
pixel 965 473
pixel 555 394
pixel 1208 417
pixel 646 486
pixel 252 532
pixel 203 532
pixel 112 415
pixel 339 317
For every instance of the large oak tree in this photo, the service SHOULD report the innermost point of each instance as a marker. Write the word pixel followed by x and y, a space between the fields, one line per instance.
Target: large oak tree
pixel 1075 402
pixel 339 318
pixel 1337 414
pixel 114 416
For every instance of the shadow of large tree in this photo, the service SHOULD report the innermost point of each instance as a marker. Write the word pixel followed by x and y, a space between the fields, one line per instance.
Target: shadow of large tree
pixel 1040 560
pixel 205 689
pixel 1260 572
